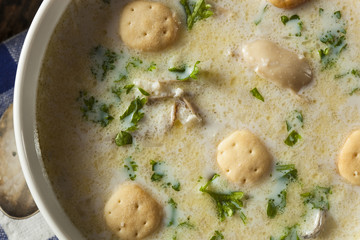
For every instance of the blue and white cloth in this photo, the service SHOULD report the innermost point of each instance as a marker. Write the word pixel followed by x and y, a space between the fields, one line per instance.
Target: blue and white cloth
pixel 35 227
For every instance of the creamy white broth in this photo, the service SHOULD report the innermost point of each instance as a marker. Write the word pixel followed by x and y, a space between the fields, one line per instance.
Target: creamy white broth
pixel 84 164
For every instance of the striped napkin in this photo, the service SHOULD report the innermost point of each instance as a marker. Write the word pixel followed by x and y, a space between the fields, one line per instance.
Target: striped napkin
pixel 35 227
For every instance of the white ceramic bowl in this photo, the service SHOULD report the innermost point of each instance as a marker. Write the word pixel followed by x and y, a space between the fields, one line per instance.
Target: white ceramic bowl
pixel 26 84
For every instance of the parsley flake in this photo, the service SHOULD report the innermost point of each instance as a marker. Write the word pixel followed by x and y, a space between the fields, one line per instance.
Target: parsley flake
pixel 123 138
pixel 183 72
pixel 290 234
pixel 196 12
pixel 318 198
pixel 292 138
pixel 173 206
pixel 226 203
pixel 285 174
pixel 217 236
pixel 131 167
pixel 257 94
pixel 103 61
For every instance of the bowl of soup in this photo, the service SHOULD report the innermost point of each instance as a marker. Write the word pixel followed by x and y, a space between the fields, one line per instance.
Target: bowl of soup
pixel 192 119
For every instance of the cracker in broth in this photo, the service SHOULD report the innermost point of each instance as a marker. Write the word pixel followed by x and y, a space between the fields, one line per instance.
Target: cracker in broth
pixel 243 157
pixel 131 213
pixel 148 26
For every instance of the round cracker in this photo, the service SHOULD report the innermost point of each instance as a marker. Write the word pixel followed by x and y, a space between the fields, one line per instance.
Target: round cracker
pixel 131 213
pixel 243 157
pixel 148 26
pixel 287 4
pixel 349 159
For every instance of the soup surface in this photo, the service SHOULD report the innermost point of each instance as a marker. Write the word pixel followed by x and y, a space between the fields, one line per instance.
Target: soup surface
pixel 90 77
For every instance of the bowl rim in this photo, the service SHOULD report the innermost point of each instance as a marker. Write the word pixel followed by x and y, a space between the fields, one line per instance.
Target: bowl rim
pixel 25 90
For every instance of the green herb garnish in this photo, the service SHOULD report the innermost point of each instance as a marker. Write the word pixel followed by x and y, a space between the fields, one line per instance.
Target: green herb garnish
pixel 335 39
pixel 143 92
pixel 156 176
pixel 337 14
pixel 217 235
pixel 123 138
pixel 285 175
pixel 134 62
pixel 134 111
pixel 196 12
pixel 159 174
pixel 355 72
pixel 152 67
pixel 129 87
pixel 173 206
pixel 186 224
pixel 178 69
pixel 257 95
pixel 293 138
pixel 354 91
pixel 117 91
pixel 131 167
pixel 184 72
pixel 103 61
pixel 290 234
pixel 294 121
pixel 286 19
pixel 260 18
pixel 105 117
pixel 94 111
pixel 226 203
pixel 318 198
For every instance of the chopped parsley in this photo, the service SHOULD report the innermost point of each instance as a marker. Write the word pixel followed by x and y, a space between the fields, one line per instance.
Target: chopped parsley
pixel 143 92
pixel 337 14
pixel 217 235
pixel 290 234
pixel 121 77
pixel 296 19
pixel 335 41
pixel 354 91
pixel 355 72
pixel 186 224
pixel 292 138
pixel 318 198
pixel 156 176
pixel 133 62
pixel 94 111
pixel 134 113
pixel 103 61
pixel 226 203
pixel 131 167
pixel 128 88
pixel 152 67
pixel 196 12
pixel 183 72
pixel 123 138
pixel 178 69
pixel 257 95
pixel 117 91
pixel 261 16
pixel 284 175
pixel 294 121
pixel 173 206
pixel 159 174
